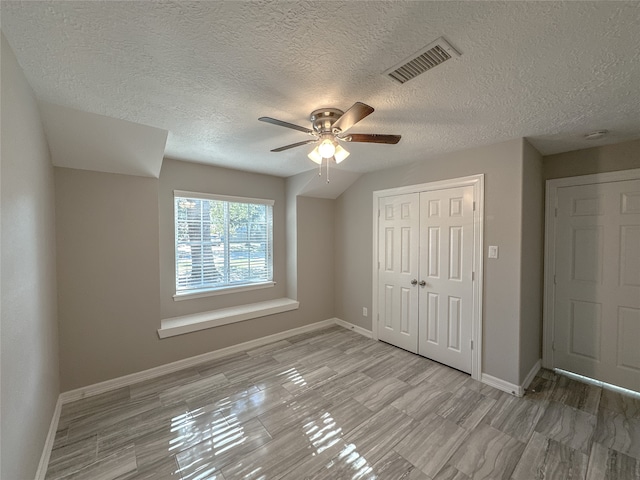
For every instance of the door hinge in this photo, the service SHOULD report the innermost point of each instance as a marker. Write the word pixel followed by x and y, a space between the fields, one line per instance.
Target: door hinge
pixel 554 279
pixel 473 276
pixel 378 265
pixel 378 213
pixel 471 344
pixel 556 212
pixel 474 206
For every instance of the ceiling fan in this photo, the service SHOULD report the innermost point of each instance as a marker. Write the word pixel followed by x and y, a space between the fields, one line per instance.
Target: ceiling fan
pixel 329 126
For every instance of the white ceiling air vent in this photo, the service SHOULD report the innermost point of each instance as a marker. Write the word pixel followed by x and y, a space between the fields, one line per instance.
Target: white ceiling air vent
pixel 425 59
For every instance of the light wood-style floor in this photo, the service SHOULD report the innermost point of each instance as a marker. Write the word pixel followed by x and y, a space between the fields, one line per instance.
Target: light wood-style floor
pixel 334 405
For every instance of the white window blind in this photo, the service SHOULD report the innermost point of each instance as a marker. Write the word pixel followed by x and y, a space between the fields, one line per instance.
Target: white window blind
pixel 221 242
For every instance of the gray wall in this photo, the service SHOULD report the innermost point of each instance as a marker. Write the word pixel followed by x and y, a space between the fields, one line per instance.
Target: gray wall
pixel 315 254
pixel 608 158
pixel 531 282
pixel 29 337
pixel 108 277
pixel 293 186
pixel 115 267
pixel 502 166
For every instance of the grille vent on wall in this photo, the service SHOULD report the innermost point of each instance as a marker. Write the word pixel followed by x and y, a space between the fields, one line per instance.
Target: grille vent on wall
pixel 430 56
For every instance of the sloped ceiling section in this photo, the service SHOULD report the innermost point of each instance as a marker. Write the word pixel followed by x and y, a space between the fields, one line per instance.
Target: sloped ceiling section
pixel 317 186
pixel 87 141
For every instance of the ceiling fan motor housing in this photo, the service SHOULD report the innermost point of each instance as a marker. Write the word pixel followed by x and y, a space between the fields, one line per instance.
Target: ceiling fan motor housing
pixel 324 118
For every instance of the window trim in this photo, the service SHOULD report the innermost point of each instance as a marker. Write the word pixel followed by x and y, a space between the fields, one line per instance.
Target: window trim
pixel 223 198
pixel 226 289
pixel 222 291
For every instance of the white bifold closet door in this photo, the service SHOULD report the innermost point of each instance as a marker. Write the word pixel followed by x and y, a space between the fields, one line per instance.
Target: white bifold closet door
pixel 425 261
pixel 446 261
pixel 398 244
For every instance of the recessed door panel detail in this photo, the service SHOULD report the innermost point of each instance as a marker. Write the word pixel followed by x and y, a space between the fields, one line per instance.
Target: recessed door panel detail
pixel 405 210
pixel 434 208
pixel 388 212
pixel 630 256
pixel 388 249
pixel 586 206
pixel 454 323
pixel 455 253
pixel 434 252
pixel 455 207
pixel 388 306
pixel 586 264
pixel 586 318
pixel 432 317
pixel 630 203
pixel 405 252
pixel 405 310
pixel 629 338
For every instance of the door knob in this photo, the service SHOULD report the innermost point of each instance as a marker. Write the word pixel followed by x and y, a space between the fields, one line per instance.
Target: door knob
pixel 414 282
pixel 423 283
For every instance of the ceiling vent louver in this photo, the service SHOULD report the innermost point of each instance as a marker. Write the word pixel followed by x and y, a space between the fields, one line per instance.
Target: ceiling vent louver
pixel 430 56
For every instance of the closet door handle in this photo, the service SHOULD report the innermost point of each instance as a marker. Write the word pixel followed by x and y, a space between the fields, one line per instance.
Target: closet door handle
pixel 423 283
pixel 414 282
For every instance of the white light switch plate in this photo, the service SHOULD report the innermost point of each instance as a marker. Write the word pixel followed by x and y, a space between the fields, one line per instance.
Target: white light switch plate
pixel 493 251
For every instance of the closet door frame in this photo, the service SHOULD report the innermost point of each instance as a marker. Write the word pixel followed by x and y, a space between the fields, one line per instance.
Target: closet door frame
pixel 477 182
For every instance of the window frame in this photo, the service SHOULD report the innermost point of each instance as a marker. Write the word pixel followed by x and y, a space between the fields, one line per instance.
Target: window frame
pixel 226 288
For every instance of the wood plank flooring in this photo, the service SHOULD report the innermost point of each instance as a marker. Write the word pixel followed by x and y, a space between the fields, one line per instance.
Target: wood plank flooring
pixel 334 405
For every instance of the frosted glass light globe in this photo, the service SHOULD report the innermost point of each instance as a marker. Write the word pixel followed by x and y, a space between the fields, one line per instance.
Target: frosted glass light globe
pixel 326 149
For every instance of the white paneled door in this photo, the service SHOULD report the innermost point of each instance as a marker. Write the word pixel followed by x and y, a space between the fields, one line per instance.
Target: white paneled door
pixel 597 282
pixel 446 284
pixel 398 237
pixel 425 262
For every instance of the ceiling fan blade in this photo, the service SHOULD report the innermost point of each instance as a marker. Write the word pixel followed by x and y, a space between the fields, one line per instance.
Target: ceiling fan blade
pixel 372 138
pixel 294 145
pixel 352 116
pixel 280 123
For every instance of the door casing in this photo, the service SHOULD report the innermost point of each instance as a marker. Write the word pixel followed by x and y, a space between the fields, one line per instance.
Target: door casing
pixel 477 182
pixel 551 203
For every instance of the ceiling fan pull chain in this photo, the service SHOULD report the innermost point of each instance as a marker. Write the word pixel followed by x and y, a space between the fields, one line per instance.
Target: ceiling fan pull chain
pixel 328 169
pixel 320 169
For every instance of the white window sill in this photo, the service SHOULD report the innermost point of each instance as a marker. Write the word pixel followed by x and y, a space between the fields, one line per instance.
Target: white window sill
pixel 170 327
pixel 221 291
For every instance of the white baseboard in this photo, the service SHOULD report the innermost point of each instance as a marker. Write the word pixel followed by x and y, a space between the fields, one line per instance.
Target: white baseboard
pixel 355 328
pixel 503 385
pixel 127 380
pixel 531 375
pixel 48 444
pixel 512 388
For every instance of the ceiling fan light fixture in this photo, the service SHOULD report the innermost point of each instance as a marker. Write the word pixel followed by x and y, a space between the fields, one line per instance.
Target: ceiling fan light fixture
pixel 340 154
pixel 329 127
pixel 327 148
pixel 315 156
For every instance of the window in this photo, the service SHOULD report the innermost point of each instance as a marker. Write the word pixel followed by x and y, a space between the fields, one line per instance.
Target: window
pixel 222 242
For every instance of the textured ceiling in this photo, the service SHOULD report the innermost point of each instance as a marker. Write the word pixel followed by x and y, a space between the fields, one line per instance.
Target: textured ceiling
pixel 205 71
